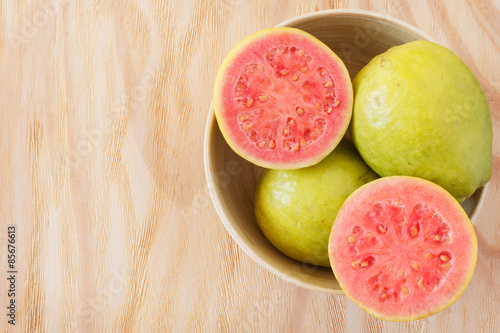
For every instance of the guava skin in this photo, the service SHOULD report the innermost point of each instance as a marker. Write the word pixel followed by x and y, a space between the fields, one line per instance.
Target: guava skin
pixel 420 111
pixel 295 209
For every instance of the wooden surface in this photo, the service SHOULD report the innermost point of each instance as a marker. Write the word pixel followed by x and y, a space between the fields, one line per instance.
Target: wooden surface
pixel 102 111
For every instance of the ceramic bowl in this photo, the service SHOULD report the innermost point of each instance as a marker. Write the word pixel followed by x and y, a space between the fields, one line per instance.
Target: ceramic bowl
pixel 356 37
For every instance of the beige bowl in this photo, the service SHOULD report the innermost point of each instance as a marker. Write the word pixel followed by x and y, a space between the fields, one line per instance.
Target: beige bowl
pixel 356 37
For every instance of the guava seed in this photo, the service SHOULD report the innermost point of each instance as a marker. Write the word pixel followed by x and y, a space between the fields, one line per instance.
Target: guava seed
pixel 416 266
pixel 421 283
pixel 382 229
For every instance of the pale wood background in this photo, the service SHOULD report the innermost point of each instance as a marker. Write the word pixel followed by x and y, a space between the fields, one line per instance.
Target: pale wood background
pixel 103 107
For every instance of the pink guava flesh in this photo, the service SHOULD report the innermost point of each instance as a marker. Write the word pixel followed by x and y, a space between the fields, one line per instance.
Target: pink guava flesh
pixel 283 99
pixel 402 248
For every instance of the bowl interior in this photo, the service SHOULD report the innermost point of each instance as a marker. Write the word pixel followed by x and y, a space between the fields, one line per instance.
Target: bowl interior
pixel 356 37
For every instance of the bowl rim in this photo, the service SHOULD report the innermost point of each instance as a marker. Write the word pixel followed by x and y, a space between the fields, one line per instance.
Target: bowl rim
pixel 211 121
pixel 358 13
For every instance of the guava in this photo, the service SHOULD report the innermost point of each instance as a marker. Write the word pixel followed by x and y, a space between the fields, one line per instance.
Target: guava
pixel 402 248
pixel 420 111
pixel 295 209
pixel 282 99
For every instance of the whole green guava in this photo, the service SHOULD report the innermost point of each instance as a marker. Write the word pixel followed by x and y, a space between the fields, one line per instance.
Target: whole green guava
pixel 295 209
pixel 420 111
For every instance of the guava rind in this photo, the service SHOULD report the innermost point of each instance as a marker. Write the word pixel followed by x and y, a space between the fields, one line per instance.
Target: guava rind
pixel 295 209
pixel 420 111
pixel 407 191
pixel 226 79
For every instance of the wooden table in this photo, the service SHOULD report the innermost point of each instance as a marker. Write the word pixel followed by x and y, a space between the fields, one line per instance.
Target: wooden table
pixel 103 107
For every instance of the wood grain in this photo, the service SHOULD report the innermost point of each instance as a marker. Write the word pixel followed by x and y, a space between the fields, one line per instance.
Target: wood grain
pixel 102 112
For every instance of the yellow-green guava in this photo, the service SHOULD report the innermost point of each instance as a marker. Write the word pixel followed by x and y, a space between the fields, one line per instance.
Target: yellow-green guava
pixel 420 111
pixel 295 209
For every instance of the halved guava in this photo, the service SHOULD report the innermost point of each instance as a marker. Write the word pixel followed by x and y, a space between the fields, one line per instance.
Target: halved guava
pixel 283 99
pixel 402 248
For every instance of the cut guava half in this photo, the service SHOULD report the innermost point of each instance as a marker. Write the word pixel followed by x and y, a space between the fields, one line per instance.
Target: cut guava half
pixel 402 248
pixel 283 99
